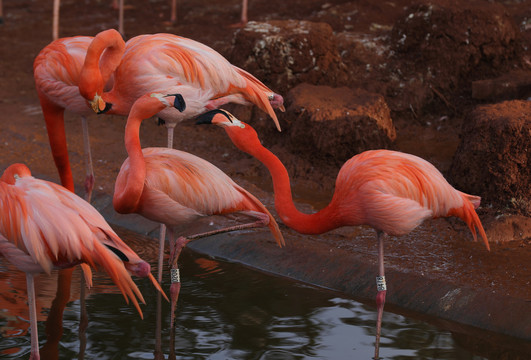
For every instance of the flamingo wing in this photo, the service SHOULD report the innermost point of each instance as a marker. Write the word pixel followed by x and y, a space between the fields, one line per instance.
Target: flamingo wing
pixel 56 71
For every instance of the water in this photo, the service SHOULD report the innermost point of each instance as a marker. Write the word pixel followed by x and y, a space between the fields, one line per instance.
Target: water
pixel 226 311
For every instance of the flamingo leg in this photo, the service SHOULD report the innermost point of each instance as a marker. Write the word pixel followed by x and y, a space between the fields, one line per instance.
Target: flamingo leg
pixel 177 246
pixel 89 170
pixel 121 17
pixel 83 318
pixel 55 23
pixel 173 17
pixel 33 317
pixel 158 354
pixel 380 297
pixel 244 12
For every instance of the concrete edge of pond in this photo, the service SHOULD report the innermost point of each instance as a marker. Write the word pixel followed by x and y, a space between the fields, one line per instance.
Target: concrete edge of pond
pixel 315 263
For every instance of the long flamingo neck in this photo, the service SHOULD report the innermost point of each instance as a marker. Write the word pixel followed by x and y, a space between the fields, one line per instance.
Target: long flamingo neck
pixel 105 53
pixel 128 189
pixel 103 58
pixel 317 223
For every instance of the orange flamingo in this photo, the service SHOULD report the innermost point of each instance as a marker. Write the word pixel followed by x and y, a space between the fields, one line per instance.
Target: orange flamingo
pixel 45 226
pixel 390 191
pixel 56 71
pixel 175 188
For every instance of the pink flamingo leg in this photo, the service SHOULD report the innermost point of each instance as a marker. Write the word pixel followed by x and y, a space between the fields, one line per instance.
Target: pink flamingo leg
pixel 89 171
pixel 380 297
pixel 176 248
pixel 33 317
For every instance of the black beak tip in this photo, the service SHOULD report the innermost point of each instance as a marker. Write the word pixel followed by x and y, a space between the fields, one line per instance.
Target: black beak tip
pixel 179 103
pixel 207 117
pixel 108 106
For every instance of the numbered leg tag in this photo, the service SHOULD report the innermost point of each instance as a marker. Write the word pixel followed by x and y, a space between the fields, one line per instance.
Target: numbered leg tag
pixel 175 276
pixel 380 283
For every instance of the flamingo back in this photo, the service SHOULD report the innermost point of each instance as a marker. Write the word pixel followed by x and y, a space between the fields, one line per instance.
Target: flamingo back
pixel 56 71
pixel 395 191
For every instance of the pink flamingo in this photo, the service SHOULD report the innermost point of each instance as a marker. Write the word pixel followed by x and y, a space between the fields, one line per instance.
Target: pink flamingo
pixel 390 191
pixel 56 71
pixel 176 188
pixel 45 226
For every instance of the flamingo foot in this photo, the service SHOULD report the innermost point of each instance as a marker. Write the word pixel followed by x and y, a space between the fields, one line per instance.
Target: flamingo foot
pixel 175 289
pixel 380 301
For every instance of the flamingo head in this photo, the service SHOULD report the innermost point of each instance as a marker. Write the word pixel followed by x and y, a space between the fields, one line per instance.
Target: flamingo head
pixel 243 135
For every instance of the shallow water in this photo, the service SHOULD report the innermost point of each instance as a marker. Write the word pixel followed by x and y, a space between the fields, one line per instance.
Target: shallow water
pixel 226 311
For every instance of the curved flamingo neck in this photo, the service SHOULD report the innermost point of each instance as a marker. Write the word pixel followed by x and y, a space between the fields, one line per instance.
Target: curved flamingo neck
pixel 128 188
pixel 324 220
pixel 103 58
pixel 130 182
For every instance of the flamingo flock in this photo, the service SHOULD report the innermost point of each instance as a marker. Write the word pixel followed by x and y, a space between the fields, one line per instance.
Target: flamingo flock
pixel 175 78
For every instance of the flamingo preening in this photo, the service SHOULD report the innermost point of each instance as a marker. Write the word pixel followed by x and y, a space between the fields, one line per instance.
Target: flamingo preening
pixel 390 191
pixel 56 70
pixel 45 226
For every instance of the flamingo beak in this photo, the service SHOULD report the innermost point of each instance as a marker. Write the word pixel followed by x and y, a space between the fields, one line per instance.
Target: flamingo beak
pixel 98 105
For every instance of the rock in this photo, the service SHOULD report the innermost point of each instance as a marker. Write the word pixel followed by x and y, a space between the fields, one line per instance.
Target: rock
pixel 283 54
pixel 514 85
pixel 508 228
pixel 492 159
pixel 337 122
pixel 445 45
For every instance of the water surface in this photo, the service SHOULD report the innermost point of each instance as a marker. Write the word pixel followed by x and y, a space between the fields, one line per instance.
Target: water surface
pixel 227 311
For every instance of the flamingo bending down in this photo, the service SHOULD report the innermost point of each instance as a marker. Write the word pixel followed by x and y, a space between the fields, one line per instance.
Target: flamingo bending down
pixel 390 191
pixel 174 187
pixel 45 226
pixel 56 71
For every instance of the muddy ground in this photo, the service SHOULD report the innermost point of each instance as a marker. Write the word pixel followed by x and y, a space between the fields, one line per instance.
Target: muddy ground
pixel 439 249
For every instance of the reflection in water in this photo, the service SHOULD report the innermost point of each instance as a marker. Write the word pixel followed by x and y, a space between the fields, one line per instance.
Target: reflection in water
pixel 226 311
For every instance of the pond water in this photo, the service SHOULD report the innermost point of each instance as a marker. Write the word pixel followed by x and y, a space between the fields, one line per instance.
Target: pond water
pixel 225 311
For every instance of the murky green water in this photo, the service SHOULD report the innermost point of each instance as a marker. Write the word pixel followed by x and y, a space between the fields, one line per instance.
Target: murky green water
pixel 227 311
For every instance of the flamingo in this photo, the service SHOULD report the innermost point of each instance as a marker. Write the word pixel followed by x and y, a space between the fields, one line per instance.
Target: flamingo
pixel 175 188
pixel 170 64
pixel 45 226
pixel 56 71
pixel 391 191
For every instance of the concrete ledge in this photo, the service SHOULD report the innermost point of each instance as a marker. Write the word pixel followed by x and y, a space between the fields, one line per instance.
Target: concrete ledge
pixel 313 262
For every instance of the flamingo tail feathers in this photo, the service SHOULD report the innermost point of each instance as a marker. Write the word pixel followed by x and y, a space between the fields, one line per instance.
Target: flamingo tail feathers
pixel 118 273
pixel 468 214
pixel 258 94
pixel 254 204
